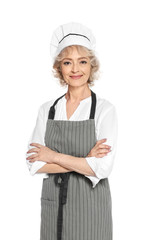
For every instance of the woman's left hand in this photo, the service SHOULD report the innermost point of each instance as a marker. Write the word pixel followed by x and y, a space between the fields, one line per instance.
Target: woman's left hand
pixel 43 153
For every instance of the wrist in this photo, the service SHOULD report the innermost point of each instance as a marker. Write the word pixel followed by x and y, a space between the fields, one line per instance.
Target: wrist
pixel 56 158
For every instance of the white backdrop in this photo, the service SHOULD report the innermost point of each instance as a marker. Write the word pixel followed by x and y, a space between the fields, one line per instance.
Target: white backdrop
pixel 27 82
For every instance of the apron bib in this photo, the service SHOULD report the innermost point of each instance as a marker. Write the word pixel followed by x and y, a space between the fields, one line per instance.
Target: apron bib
pixel 70 208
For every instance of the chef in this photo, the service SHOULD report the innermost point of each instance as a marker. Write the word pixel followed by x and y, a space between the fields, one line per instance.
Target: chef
pixel 73 144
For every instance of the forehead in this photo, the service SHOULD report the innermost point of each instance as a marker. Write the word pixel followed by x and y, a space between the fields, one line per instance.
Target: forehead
pixel 73 51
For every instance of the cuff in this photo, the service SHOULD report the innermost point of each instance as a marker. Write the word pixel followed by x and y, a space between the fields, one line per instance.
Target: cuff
pixel 93 179
pixel 35 166
pixel 92 161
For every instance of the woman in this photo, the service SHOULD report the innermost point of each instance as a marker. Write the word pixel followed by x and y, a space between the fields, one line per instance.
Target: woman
pixel 69 144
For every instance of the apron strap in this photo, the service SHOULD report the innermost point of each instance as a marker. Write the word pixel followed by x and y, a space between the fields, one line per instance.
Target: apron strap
pixel 93 105
pixel 52 109
pixel 63 184
pixel 92 111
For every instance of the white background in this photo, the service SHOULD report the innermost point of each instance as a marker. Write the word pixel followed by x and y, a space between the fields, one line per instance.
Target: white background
pixel 26 82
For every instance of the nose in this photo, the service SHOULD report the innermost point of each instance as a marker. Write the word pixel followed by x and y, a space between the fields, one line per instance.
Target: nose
pixel 75 67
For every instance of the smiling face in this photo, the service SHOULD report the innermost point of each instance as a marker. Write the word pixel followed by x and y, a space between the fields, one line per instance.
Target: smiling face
pixel 76 67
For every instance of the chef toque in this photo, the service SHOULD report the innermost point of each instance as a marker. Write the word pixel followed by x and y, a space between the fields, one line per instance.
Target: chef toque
pixel 68 34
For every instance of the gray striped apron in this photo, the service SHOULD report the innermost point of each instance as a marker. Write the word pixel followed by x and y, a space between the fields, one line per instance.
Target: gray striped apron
pixel 70 208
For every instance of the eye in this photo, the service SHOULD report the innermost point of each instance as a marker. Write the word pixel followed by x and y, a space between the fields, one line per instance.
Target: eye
pixel 66 63
pixel 83 62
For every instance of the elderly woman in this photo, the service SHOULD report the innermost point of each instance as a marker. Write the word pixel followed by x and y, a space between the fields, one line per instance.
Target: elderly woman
pixel 74 144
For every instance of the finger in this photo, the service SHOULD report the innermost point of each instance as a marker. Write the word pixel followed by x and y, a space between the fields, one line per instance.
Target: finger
pixel 32 156
pixel 34 159
pixel 101 141
pixel 33 150
pixel 102 155
pixel 104 146
pixel 36 145
pixel 98 146
pixel 104 150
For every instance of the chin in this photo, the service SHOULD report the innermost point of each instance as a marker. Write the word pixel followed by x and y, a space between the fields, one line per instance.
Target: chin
pixel 77 84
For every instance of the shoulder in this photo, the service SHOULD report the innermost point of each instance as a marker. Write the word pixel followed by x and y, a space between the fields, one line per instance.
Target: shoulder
pixel 46 105
pixel 104 106
pixel 44 108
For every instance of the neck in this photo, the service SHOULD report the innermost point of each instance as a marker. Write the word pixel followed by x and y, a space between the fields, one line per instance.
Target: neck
pixel 76 94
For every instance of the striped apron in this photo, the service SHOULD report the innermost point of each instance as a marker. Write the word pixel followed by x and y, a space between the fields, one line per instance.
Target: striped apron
pixel 70 208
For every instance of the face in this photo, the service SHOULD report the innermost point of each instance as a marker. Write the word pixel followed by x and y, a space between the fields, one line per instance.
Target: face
pixel 76 68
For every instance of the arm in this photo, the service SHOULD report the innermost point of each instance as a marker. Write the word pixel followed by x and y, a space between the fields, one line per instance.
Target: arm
pixel 107 128
pixel 95 168
pixel 53 168
pixel 82 165
pixel 76 164
pixel 55 161
pixel 38 136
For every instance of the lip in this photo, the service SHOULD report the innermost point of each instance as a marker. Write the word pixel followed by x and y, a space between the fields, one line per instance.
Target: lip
pixel 76 76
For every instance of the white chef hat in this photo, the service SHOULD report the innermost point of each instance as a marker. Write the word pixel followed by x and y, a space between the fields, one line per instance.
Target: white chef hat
pixel 68 34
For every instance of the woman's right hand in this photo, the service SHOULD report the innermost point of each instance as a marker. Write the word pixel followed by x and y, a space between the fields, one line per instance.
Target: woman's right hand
pixel 99 150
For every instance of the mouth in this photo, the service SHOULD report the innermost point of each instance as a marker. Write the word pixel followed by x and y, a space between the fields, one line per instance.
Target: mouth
pixel 76 76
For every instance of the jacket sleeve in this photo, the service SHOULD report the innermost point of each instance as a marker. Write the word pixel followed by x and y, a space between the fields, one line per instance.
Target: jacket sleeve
pixel 107 128
pixel 37 136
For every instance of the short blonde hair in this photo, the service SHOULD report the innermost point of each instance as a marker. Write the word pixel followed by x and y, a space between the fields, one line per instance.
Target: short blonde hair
pixel 95 65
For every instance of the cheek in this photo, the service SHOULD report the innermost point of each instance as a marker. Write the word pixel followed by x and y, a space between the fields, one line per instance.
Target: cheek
pixel 87 70
pixel 65 71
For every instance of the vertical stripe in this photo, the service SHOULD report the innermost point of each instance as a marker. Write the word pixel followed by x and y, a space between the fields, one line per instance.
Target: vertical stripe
pixel 87 213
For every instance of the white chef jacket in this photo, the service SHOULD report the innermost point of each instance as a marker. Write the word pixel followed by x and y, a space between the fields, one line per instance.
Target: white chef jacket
pixel 106 126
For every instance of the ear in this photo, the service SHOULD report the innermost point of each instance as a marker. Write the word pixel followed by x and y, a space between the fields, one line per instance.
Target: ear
pixel 55 68
pixel 59 68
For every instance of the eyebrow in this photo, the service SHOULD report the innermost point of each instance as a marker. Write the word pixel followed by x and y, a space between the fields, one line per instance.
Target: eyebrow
pixel 78 58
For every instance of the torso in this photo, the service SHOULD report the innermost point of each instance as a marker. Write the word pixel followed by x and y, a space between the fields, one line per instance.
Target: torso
pixel 72 192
